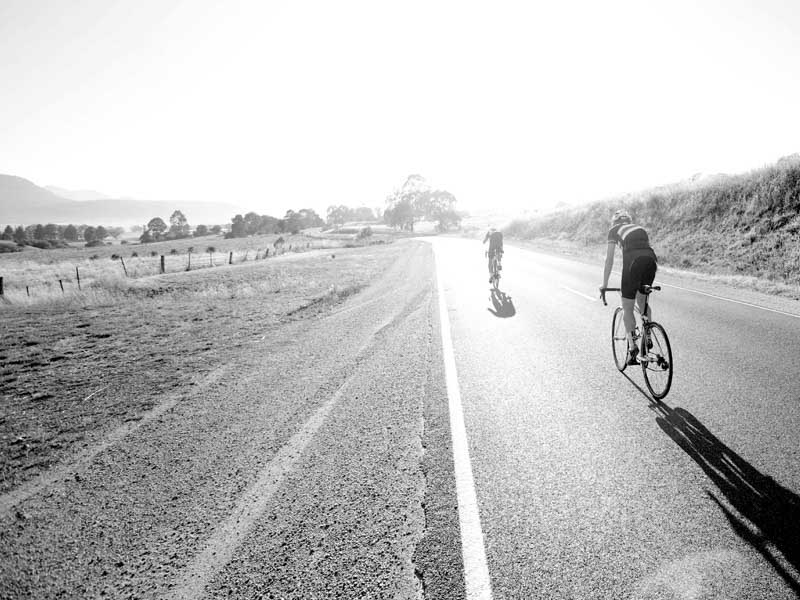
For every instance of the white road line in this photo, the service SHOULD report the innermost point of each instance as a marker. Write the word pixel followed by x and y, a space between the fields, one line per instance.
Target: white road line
pixel 476 572
pixel 774 310
pixel 229 534
pixel 581 294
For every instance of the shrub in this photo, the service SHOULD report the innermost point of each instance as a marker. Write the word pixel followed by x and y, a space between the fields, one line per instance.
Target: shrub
pixel 94 243
pixel 41 244
pixel 9 246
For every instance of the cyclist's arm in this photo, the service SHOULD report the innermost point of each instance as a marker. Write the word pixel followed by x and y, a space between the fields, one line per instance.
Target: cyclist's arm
pixel 609 262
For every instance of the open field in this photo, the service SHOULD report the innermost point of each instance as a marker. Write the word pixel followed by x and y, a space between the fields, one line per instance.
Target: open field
pixel 32 276
pixel 72 370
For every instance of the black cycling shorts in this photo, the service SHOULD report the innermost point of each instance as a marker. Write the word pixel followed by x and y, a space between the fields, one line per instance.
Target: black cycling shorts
pixel 638 269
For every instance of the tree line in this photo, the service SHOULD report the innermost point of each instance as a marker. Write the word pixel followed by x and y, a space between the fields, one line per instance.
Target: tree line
pixel 157 230
pixel 51 232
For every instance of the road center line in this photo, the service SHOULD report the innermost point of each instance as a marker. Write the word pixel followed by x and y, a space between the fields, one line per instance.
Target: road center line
pixel 581 294
pixel 229 534
pixel 476 572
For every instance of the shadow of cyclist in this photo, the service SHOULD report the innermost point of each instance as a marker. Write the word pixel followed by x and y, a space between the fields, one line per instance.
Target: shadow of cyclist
pixel 768 513
pixel 503 306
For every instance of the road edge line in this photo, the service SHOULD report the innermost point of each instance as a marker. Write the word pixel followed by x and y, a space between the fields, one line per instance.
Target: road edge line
pixel 477 583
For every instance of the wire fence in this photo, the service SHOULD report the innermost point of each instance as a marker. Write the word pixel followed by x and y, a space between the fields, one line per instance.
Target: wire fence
pixel 110 272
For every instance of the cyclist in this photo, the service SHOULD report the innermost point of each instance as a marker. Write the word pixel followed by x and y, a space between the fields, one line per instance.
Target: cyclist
pixel 638 269
pixel 495 239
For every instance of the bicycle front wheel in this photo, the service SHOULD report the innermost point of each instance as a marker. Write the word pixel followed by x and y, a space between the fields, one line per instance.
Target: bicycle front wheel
pixel 656 359
pixel 619 340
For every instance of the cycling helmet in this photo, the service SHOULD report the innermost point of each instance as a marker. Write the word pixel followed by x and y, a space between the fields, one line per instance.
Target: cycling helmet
pixel 621 216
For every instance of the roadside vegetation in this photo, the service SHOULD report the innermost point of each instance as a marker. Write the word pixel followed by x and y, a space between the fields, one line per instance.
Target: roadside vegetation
pixel 107 273
pixel 744 227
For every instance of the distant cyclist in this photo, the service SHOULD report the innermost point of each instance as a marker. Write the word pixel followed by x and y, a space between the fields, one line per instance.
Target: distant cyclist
pixel 495 239
pixel 638 269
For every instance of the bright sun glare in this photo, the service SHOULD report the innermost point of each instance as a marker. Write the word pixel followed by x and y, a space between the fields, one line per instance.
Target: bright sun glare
pixel 277 105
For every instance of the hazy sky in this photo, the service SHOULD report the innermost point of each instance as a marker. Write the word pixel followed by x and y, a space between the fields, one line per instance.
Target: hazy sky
pixel 276 105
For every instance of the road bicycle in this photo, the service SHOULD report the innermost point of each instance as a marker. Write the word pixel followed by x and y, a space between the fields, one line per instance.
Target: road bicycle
pixel 655 354
pixel 496 268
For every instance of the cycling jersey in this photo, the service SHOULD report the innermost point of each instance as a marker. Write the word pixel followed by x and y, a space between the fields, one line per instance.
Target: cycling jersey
pixel 495 241
pixel 629 237
pixel 639 262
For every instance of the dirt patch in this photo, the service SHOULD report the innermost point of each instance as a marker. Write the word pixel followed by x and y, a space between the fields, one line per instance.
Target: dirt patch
pixel 72 371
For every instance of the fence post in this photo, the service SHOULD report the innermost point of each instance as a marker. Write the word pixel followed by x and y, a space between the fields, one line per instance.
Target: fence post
pixel 122 260
pixel 78 277
pixel 162 264
pixel 266 255
pixel 61 283
pixel 28 291
pixel 230 258
pixel 1 286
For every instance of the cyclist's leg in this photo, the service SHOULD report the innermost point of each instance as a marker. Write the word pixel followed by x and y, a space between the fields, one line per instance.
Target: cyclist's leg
pixel 628 286
pixel 643 270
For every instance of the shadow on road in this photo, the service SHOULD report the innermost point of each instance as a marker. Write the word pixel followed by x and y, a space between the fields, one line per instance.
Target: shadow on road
pixel 768 514
pixel 503 306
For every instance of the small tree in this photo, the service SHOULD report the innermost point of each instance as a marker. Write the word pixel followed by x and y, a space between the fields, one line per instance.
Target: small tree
pixel 38 233
pixel 19 235
pixel 100 233
pixel 89 234
pixel 200 231
pixel 211 251
pixel 8 233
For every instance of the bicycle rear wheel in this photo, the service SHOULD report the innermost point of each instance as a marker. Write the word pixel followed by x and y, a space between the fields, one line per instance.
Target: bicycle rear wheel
pixel 656 360
pixel 619 340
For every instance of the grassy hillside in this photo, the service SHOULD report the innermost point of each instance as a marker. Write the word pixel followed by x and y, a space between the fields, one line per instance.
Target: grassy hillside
pixel 746 224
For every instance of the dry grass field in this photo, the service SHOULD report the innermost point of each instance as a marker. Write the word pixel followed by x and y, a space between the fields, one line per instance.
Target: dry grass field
pixel 82 363
pixel 34 276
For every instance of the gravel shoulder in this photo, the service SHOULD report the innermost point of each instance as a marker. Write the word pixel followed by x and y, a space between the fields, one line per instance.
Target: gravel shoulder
pixel 351 511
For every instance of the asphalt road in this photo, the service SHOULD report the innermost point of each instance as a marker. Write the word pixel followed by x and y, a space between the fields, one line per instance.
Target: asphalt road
pixel 589 489
pixel 318 462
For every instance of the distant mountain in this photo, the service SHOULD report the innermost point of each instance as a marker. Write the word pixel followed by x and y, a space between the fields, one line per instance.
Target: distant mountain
pixel 77 195
pixel 24 203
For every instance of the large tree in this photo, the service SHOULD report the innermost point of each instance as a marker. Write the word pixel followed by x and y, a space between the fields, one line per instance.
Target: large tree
pixel 89 234
pixel 156 227
pixel 238 226
pixel 179 226
pixel 51 231
pixel 70 233
pixel 8 233
pixel 416 200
